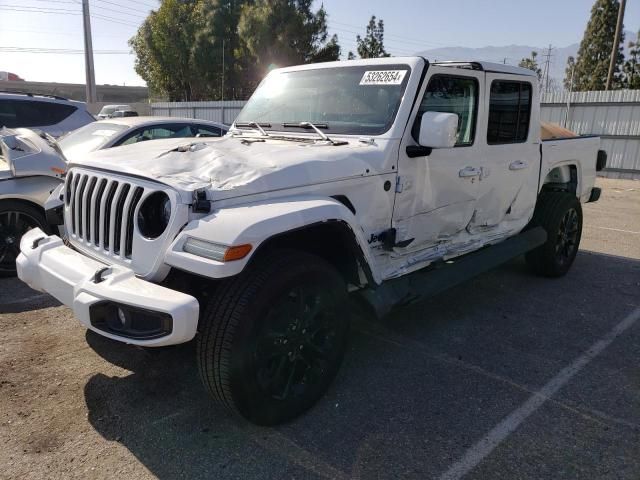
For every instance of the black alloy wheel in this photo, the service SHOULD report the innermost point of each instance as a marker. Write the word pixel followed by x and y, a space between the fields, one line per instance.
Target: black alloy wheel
pixel 567 237
pixel 16 219
pixel 271 340
pixel 294 348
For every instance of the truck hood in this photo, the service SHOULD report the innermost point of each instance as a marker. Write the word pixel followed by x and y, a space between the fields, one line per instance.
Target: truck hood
pixel 27 153
pixel 237 166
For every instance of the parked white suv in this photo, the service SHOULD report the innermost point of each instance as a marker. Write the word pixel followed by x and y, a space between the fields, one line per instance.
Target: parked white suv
pixel 49 113
pixel 389 179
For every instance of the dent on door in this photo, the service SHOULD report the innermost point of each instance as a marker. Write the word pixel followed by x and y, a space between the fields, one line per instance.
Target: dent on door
pixel 443 205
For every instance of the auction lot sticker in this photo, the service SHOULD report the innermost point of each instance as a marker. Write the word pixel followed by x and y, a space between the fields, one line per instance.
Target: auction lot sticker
pixel 383 77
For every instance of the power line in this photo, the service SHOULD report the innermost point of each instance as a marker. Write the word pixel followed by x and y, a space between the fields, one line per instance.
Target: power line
pixel 133 15
pixel 25 8
pixel 60 51
pixel 123 6
pixel 386 34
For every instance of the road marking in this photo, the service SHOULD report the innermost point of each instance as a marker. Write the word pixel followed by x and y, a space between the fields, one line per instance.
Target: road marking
pixel 506 427
pixel 614 229
pixel 583 411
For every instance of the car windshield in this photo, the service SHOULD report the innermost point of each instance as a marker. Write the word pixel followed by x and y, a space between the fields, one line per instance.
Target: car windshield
pixel 360 100
pixel 89 138
pixel 107 110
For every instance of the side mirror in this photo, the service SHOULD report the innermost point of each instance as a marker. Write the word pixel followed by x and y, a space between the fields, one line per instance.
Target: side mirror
pixel 438 130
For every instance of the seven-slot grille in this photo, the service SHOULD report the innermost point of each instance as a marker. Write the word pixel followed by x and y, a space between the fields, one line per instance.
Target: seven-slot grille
pixel 101 212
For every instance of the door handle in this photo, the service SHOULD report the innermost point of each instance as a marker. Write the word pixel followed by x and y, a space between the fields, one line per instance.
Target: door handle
pixel 517 165
pixel 469 172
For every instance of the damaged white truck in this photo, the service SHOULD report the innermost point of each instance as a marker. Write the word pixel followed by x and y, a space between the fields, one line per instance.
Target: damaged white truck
pixel 386 178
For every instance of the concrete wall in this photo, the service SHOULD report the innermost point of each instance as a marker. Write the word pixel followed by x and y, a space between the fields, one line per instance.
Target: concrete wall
pixel 105 93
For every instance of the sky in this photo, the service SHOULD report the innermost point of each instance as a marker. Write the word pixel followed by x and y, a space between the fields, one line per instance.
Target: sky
pixel 410 26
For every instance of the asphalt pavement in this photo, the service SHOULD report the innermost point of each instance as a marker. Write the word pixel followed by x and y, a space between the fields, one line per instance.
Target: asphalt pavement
pixel 506 376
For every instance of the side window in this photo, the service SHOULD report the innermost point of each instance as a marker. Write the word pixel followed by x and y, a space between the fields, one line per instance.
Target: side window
pixel 41 114
pixel 449 94
pixel 207 131
pixel 8 116
pixel 157 133
pixel 509 112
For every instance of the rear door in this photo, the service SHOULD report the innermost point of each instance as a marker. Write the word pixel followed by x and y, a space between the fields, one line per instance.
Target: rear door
pixel 437 193
pixel 511 153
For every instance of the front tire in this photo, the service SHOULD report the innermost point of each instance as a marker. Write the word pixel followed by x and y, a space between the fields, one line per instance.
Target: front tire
pixel 16 219
pixel 272 339
pixel 560 214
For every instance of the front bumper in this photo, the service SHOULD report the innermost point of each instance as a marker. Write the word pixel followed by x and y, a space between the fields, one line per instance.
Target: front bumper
pixel 47 265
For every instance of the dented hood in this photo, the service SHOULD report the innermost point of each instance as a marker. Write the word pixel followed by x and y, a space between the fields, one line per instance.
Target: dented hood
pixel 236 166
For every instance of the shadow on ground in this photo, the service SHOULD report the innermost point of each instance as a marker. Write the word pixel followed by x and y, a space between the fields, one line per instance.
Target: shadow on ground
pixel 414 393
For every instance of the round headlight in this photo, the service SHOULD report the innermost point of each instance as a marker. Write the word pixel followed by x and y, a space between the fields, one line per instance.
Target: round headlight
pixel 154 215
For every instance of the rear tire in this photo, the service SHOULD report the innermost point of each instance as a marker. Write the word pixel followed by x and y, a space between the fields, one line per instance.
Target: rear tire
pixel 272 339
pixel 16 219
pixel 560 214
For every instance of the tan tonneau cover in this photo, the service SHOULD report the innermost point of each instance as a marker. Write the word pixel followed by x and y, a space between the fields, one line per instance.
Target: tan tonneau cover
pixel 551 131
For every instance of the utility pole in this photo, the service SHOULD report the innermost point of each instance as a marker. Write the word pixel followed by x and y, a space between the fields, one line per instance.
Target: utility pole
pixel 222 91
pixel 547 63
pixel 616 42
pixel 88 54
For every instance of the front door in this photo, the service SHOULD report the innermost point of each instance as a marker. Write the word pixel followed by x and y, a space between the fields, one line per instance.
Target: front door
pixel 437 193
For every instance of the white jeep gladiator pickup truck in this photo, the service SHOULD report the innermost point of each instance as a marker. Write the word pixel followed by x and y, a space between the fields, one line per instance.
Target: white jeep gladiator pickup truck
pixel 390 179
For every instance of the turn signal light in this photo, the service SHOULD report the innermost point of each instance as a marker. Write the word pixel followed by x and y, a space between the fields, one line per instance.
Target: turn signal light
pixel 237 253
pixel 215 251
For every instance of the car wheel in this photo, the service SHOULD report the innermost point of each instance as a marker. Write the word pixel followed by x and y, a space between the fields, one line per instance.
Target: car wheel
pixel 272 339
pixel 560 214
pixel 16 219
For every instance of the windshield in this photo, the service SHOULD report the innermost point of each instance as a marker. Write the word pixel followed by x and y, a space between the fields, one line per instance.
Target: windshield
pixel 92 136
pixel 359 100
pixel 107 110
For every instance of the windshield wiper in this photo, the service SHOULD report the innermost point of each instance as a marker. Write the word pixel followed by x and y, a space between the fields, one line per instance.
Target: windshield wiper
pixel 257 126
pixel 316 127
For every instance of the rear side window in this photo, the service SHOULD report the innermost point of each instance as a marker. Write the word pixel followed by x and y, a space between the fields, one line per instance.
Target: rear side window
pixel 21 113
pixel 509 112
pixel 207 131
pixel 449 94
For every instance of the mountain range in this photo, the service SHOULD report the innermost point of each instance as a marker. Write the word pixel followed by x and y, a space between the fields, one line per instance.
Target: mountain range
pixel 512 54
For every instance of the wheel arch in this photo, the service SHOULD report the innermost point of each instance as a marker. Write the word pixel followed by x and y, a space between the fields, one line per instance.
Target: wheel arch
pixel 562 178
pixel 333 240
pixel 319 225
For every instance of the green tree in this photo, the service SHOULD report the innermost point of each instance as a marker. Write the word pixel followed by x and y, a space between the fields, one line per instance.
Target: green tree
pixel 592 64
pixel 532 64
pixel 218 48
pixel 631 68
pixel 166 56
pixel 372 45
pixel 278 33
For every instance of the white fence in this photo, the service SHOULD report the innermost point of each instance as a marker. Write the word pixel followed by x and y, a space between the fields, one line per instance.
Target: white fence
pixel 223 112
pixel 615 116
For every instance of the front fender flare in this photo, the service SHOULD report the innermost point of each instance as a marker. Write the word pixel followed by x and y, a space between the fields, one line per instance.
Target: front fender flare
pixel 255 223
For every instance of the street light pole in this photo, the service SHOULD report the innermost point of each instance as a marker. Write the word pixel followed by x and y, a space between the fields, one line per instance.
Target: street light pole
pixel 88 54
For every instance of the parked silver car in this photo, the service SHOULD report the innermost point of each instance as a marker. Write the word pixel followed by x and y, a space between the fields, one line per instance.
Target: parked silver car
pixel 116 132
pixel 49 113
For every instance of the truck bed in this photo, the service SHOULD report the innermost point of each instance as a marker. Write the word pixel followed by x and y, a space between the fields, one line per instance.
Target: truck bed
pixel 582 151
